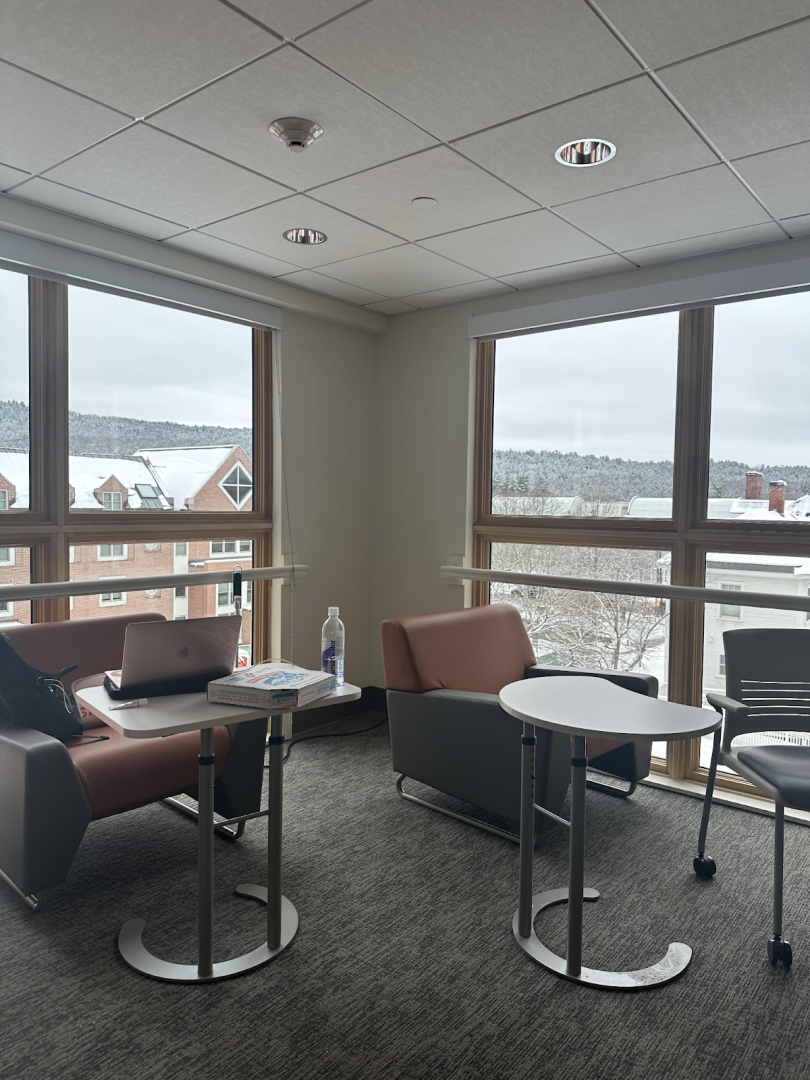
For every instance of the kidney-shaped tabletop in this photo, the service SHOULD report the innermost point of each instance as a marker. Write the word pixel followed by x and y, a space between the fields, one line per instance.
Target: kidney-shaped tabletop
pixel 596 708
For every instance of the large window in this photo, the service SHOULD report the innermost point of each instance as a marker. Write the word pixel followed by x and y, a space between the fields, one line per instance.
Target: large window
pixel 584 421
pixel 637 450
pixel 161 407
pixel 760 468
pixel 138 413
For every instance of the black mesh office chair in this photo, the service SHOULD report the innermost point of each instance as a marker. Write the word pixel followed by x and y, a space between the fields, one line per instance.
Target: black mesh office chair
pixel 767 689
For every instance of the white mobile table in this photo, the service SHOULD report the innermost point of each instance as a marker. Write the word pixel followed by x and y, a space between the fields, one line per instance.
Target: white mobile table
pixel 583 706
pixel 192 712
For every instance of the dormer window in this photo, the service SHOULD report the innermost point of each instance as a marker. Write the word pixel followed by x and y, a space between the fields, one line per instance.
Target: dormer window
pixel 112 500
pixel 237 485
pixel 3 500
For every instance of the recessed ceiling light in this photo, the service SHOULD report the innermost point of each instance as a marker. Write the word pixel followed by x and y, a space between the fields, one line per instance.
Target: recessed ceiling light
pixel 584 152
pixel 304 236
pixel 295 132
pixel 423 200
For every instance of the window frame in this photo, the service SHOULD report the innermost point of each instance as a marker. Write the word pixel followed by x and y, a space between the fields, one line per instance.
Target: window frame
pixel 50 527
pixel 689 534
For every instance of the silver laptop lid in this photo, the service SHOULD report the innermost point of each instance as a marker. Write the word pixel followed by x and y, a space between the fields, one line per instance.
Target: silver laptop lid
pixel 163 652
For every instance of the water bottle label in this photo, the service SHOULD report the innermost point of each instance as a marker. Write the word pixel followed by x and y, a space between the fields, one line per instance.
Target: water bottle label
pixel 328 659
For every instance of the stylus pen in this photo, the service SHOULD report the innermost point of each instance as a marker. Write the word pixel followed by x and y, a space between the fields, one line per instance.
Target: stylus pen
pixel 134 704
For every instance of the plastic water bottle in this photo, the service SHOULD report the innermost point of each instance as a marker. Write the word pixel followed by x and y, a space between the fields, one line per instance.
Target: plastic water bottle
pixel 333 645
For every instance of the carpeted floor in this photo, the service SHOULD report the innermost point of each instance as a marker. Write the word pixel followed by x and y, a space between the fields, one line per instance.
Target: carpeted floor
pixel 404 965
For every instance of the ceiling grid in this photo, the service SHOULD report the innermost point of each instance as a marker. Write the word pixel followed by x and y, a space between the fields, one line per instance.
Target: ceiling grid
pixel 159 127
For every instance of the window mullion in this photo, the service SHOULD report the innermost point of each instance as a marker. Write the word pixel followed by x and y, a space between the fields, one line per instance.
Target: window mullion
pixel 49 436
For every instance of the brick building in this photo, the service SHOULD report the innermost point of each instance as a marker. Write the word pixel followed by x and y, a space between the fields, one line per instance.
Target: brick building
pixel 185 479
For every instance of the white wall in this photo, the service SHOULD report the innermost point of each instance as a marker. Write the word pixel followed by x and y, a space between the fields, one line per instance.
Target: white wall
pixel 421 476
pixel 327 380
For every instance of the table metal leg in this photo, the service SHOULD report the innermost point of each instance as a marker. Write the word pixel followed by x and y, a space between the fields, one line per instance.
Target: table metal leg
pixel 570 966
pixel 576 857
pixel 282 918
pixel 527 751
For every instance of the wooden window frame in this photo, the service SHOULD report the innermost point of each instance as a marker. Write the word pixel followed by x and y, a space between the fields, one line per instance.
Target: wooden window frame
pixel 689 534
pixel 49 527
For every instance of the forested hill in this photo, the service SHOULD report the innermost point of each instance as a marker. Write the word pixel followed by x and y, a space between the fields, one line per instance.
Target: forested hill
pixel 116 435
pixel 549 472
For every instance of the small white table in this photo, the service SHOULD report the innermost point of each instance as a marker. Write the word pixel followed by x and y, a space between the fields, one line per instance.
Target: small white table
pixel 192 712
pixel 583 706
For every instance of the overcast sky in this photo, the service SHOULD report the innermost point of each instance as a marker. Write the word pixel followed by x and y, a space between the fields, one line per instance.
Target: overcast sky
pixel 610 388
pixel 602 389
pixel 128 358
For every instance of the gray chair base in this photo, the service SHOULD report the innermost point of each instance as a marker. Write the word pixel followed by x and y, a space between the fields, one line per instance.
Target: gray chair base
pixel 465 818
pixel 222 830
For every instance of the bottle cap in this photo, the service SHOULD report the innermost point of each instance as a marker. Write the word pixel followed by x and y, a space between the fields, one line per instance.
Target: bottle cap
pixel 333 611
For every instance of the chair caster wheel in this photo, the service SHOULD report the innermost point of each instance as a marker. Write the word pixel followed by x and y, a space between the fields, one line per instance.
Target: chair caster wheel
pixel 705 866
pixel 779 951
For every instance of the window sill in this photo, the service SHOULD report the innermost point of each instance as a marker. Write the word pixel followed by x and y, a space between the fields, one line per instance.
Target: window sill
pixel 724 798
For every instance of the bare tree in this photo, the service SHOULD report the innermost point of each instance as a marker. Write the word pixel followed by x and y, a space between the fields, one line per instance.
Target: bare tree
pixel 581 629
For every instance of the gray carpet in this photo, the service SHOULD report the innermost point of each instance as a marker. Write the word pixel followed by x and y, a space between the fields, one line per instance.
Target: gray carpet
pixel 404 965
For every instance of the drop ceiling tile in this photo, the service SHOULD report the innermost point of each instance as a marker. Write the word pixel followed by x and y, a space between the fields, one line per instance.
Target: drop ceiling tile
pixel 290 18
pixel 391 307
pixel 458 294
pixel 751 96
pixel 552 275
pixel 456 69
pixel 666 30
pixel 711 244
pixel 518 243
pixel 9 177
pixel 221 251
pixel 48 124
pixel 263 230
pixel 779 177
pixel 232 118
pixel 402 270
pixel 320 283
pixel 134 56
pixel 651 138
pixel 465 195
pixel 159 175
pixel 80 204
pixel 694 204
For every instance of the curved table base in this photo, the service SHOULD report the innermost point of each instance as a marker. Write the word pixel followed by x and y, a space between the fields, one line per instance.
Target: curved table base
pixel 672 965
pixel 134 952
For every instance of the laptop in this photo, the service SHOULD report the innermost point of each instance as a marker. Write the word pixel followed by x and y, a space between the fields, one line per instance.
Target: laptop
pixel 179 657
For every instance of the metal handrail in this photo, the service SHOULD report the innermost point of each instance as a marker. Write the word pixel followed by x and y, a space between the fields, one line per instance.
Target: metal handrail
pixel 632 588
pixel 49 589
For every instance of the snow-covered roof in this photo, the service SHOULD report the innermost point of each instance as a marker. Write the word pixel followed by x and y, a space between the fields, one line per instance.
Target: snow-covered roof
pixel 184 469
pixel 724 509
pixel 14 466
pixel 797 565
pixel 86 474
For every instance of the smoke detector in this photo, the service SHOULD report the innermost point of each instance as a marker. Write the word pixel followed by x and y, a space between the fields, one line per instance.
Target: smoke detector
pixel 295 132
pixel 582 153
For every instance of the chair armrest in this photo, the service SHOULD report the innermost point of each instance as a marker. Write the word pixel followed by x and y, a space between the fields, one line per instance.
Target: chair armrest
pixel 43 809
pixel 635 681
pixel 726 704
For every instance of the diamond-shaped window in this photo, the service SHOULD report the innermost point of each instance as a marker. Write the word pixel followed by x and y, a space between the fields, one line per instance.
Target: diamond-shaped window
pixel 237 485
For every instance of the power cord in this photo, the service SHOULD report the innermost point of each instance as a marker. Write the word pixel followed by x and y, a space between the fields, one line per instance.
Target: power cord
pixel 330 735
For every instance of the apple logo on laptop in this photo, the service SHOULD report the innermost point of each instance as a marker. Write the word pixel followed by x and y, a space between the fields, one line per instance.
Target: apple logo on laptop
pixel 182 654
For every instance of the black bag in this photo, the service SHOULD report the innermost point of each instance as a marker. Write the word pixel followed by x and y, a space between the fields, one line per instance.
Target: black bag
pixel 34 699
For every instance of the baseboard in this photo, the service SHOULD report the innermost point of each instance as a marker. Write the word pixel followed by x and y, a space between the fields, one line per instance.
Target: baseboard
pixel 372 699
